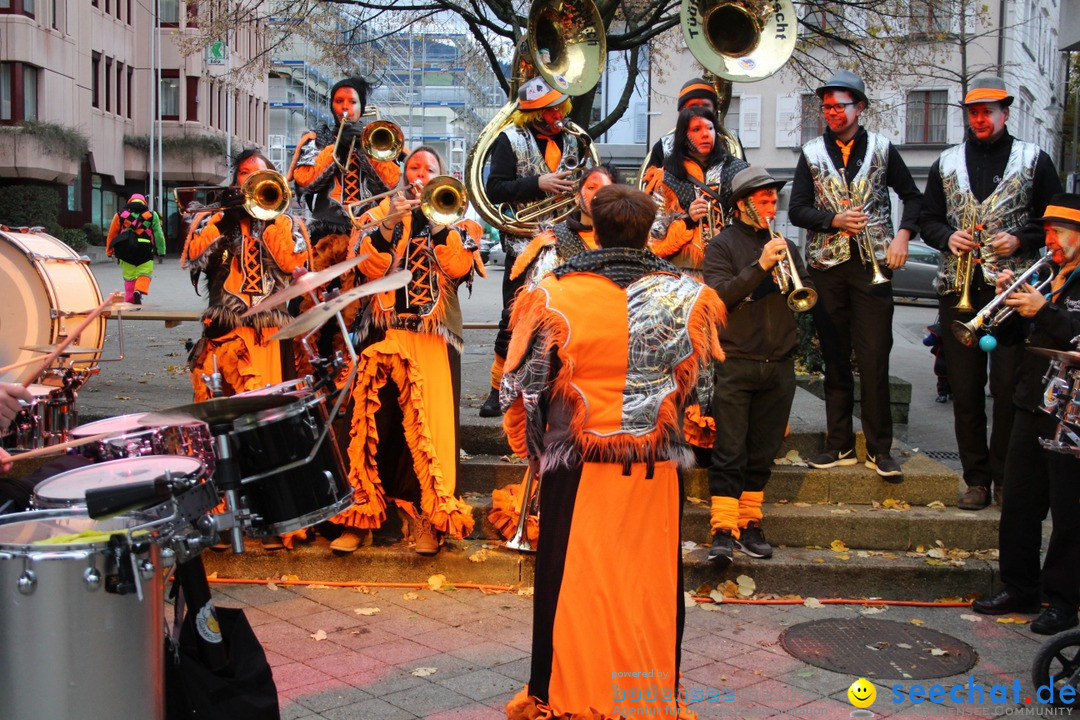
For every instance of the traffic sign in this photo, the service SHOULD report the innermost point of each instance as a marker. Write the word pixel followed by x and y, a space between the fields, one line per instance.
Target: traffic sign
pixel 215 53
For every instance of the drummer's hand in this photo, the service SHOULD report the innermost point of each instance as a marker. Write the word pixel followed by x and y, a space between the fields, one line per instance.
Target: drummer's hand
pixel 1004 280
pixel 1027 300
pixel 10 395
pixel 5 466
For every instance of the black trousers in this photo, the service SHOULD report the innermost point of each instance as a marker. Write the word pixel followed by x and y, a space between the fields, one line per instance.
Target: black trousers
pixel 853 314
pixel 982 463
pixel 751 404
pixel 1038 480
pixel 509 290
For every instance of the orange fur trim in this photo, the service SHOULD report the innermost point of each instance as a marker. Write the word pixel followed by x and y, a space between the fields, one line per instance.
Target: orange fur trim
pixel 724 514
pixel 750 507
pixel 506 512
pixel 530 252
pixel 515 425
pixel 679 239
pixel 305 175
pixel 653 177
pixel 497 366
pixel 700 430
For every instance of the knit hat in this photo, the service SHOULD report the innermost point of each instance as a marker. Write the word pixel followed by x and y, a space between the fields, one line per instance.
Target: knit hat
pixel 537 95
pixel 1063 207
pixel 697 89
pixel 988 88
pixel 136 198
pixel 752 178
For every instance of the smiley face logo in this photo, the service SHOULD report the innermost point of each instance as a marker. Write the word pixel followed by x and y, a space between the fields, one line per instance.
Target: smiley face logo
pixel 861 694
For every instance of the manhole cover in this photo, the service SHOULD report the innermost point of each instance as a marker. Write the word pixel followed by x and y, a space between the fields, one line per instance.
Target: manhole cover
pixel 879 649
pixel 942 454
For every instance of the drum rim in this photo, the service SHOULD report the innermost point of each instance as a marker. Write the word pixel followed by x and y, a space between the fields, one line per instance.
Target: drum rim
pixel 252 421
pixel 11 550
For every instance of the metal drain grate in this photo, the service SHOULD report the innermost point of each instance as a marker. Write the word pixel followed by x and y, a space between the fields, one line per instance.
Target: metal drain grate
pixel 942 454
pixel 878 649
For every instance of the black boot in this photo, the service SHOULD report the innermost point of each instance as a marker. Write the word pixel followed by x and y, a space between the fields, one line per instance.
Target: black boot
pixel 491 408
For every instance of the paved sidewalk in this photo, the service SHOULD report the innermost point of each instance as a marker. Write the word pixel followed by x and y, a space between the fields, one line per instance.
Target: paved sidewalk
pixel 462 654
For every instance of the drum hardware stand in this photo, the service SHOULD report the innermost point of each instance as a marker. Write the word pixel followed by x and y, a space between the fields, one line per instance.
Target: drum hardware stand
pixel 129 571
pixel 56 314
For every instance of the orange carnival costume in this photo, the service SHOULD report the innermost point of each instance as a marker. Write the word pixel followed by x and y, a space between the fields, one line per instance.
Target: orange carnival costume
pixel 244 260
pixel 604 353
pixel 404 425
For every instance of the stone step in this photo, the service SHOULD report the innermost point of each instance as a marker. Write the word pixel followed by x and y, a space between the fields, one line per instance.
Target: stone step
pixel 925 481
pixel 805 572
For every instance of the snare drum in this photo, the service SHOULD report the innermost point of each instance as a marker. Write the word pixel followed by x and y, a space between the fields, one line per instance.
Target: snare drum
pixel 73 648
pixel 131 438
pixel 68 489
pixel 280 500
pixel 297 386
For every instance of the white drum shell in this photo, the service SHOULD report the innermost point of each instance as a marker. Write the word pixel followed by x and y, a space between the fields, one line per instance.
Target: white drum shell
pixel 67 649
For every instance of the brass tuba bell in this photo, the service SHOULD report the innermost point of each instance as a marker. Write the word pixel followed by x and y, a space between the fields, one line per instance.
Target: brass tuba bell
pixel 740 40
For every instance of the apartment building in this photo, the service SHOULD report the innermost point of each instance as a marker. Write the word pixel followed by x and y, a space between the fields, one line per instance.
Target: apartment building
pixel 89 68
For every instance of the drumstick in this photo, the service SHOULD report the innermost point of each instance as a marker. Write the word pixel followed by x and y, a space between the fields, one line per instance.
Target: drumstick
pixel 56 449
pixel 21 363
pixel 72 336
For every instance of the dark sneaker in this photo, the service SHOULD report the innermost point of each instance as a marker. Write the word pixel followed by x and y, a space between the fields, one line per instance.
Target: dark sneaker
pixel 886 467
pixel 975 497
pixel 752 542
pixel 1054 620
pixel 491 408
pixel 832 458
pixel 136 298
pixel 723 549
pixel 1006 602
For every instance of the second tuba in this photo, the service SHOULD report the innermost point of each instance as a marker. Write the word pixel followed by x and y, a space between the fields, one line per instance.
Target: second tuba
pixel 740 40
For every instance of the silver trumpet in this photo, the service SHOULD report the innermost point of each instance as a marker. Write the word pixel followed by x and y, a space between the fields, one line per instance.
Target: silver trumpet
pixel 799 298
pixel 530 505
pixel 996 311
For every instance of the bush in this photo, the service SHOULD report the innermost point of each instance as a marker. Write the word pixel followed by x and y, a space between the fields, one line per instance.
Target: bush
pixel 94 234
pixel 58 140
pixel 808 358
pixel 75 238
pixel 30 205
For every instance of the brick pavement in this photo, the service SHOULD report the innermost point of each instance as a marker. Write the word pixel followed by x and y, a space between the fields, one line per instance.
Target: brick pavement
pixel 462 654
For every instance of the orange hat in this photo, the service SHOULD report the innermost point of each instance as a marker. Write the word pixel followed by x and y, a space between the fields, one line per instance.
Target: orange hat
pixel 537 95
pixel 988 88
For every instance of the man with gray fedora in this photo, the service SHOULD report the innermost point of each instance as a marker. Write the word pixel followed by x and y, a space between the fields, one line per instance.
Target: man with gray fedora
pixel 755 384
pixel 841 196
pixel 982 197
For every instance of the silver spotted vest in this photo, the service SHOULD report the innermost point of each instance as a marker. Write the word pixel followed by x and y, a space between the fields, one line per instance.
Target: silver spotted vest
pixel 530 161
pixel 1006 209
pixel 867 188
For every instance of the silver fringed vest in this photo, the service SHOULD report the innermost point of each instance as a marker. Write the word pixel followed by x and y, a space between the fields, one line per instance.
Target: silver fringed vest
pixel 530 161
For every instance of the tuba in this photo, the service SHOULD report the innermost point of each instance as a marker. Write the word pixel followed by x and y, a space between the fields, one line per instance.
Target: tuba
pixel 571 31
pixel 740 40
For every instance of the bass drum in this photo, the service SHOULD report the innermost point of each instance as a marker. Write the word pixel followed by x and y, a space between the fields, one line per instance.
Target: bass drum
pixel 49 290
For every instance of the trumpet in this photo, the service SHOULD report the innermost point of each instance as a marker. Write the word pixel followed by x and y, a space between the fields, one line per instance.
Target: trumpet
pixel 799 297
pixel 996 311
pixel 264 195
pixel 863 238
pixel 443 201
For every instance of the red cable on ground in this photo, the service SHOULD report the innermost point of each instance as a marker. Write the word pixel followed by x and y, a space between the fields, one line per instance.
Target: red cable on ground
pixel 839 601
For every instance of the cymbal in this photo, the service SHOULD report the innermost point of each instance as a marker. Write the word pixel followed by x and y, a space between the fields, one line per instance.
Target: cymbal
pixel 319 314
pixel 304 284
pixel 216 410
pixel 69 350
pixel 1066 357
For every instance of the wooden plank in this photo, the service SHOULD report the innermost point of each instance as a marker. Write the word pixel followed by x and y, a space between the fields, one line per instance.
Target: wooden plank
pixel 173 318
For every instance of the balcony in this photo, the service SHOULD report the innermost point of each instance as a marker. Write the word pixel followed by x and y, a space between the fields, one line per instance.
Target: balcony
pixel 28 156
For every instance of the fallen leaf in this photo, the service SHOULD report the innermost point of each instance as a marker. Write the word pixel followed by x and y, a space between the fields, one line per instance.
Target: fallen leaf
pixel 938 652
pixel 800 504
pixel 843 557
pixel 271 585
pixel 711 607
pixel 121 397
pixel 688 600
pixel 464 455
pixel 212 576
pixel 937 553
pixel 410 596
pixel 479 556
pixel 746 584
pixel 838 546
pixel 436 581
pixel 1012 620
pixel 819 560
pixel 424 671
pixel 689 545
pixel 695 500
pixel 367 611
pixel 903 645
pixel 917 621
pixel 318 635
pixel 936 505
pixel 920 549
pixel 717 596
pixel 872 610
pixel 811 602
pixel 525 591
pixel 842 511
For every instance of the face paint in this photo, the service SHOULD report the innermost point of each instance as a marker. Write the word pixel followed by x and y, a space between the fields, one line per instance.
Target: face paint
pixel 987 120
pixel 841 111
pixel 251 165
pixel 551 116
pixel 701 136
pixel 596 181
pixel 700 102
pixel 422 167
pixel 1062 244
pixel 346 100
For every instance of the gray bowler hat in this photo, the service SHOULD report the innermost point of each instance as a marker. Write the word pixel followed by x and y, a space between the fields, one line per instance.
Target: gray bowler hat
pixel 845 80
pixel 988 88
pixel 753 178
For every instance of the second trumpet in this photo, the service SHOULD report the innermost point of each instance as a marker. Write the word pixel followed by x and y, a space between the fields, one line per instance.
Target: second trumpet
pixel 799 297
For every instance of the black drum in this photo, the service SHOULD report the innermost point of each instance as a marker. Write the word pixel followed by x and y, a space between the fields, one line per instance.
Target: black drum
pixel 281 490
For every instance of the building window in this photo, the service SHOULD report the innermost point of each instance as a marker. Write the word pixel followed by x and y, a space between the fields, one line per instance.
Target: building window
pixel 170 94
pixel 813 121
pixel 108 84
pixel 169 13
pixel 927 117
pixel 828 20
pixel 930 17
pixel 18 92
pixel 192 98
pixel 119 84
pixel 130 90
pixel 192 20
pixel 95 71
pixel 30 92
pixel 18 7
pixel 7 106
pixel 59 15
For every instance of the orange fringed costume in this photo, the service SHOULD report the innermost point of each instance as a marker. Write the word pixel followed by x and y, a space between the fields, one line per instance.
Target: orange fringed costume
pixel 252 260
pixel 404 426
pixel 604 353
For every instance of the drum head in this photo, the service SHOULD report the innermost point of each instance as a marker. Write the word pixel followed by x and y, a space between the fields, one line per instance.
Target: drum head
pixel 69 488
pixel 299 385
pixel 116 425
pixel 40 530
pixel 40 274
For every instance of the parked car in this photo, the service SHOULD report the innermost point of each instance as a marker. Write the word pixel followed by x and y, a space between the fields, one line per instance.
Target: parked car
pixel 491 251
pixel 916 278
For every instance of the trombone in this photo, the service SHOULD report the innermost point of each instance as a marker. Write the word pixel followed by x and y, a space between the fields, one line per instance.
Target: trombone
pixel 996 311
pixel 381 140
pixel 443 201
pixel 264 195
pixel 799 297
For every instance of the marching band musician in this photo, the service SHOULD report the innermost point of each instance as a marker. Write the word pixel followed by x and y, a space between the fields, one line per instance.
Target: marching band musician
pixel 548 250
pixel 841 192
pixel 330 172
pixel 244 260
pixel 404 426
pixel 1006 182
pixel 679 234
pixel 526 162
pixel 1038 480
pixel 604 352
pixel 755 385
pixel 695 92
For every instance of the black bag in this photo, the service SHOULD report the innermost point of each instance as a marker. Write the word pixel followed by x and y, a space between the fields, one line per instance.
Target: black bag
pixel 243 689
pixel 127 247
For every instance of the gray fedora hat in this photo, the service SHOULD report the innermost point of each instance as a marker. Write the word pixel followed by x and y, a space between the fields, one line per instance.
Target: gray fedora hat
pixel 845 80
pixel 988 88
pixel 753 178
